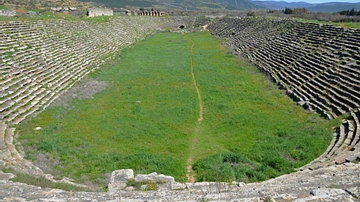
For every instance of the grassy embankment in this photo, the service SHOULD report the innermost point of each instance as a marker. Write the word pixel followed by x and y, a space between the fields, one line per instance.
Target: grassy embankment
pixel 46 14
pixel 147 118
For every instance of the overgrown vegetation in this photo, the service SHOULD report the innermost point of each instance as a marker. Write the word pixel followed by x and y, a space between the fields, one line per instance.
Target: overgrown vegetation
pixel 147 116
pixel 3 7
pixel 150 185
pixel 42 181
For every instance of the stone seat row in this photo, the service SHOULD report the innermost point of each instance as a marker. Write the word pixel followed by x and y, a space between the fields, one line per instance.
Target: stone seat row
pixel 319 88
pixel 318 65
pixel 314 61
pixel 345 145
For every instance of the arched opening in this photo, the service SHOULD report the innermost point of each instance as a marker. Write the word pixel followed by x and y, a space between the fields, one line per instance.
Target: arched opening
pixel 182 26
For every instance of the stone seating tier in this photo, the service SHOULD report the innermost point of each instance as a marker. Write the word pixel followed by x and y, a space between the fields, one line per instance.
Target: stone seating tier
pixel 318 65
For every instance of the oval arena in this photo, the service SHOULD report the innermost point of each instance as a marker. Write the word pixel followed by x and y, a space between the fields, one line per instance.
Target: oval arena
pixel 318 66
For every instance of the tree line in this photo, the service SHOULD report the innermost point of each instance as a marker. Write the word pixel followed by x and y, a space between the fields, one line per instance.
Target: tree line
pixel 341 16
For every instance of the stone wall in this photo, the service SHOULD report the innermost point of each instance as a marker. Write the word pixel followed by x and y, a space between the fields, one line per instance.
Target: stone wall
pixel 94 12
pixel 9 13
pixel 151 13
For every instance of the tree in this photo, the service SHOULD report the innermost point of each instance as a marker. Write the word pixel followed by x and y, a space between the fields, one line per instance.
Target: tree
pixel 288 11
pixel 352 12
pixel 300 12
pixel 250 13
pixel 344 12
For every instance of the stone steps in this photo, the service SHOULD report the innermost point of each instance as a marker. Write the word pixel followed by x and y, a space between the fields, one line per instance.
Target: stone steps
pixel 333 183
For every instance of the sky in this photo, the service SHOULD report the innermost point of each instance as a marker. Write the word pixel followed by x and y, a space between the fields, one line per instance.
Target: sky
pixel 319 1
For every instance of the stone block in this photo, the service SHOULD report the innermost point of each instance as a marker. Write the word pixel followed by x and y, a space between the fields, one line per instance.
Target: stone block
pixel 154 177
pixel 330 194
pixel 177 186
pixel 119 179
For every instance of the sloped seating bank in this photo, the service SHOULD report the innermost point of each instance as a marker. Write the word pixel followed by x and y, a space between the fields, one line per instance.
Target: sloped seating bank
pixel 41 59
pixel 318 66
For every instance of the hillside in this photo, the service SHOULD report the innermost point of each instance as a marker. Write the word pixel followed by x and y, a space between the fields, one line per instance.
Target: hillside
pixel 180 4
pixel 322 7
pixel 42 3
pixel 131 4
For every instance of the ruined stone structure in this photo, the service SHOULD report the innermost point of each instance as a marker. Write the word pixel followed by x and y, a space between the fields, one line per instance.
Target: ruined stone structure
pixel 9 13
pixel 151 13
pixel 94 12
pixel 317 65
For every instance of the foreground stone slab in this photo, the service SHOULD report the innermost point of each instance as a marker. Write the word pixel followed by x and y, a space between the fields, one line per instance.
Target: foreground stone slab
pixel 333 183
pixel 119 179
pixel 154 177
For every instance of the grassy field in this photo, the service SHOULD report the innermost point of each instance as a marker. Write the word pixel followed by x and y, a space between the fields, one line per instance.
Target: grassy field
pixel 147 118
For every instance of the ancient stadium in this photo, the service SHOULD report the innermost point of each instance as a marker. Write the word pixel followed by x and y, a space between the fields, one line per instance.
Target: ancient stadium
pixel 316 65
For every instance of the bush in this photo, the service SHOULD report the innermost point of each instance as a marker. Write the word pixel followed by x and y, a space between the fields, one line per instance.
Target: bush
pixel 300 12
pixel 250 13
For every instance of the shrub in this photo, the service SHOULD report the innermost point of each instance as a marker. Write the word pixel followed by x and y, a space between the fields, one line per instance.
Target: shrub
pixel 250 13
pixel 300 12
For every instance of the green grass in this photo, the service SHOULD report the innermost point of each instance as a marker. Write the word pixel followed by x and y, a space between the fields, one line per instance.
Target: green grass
pixel 147 118
pixel 3 7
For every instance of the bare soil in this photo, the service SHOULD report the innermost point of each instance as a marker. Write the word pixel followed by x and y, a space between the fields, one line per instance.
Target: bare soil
pixel 84 89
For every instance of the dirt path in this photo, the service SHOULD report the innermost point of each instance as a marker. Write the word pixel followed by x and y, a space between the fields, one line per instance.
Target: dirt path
pixel 189 171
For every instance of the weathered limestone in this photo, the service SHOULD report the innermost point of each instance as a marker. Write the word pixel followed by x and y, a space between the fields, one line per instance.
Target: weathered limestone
pixel 154 177
pixel 282 47
pixel 94 12
pixel 333 183
pixel 8 13
pixel 119 179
